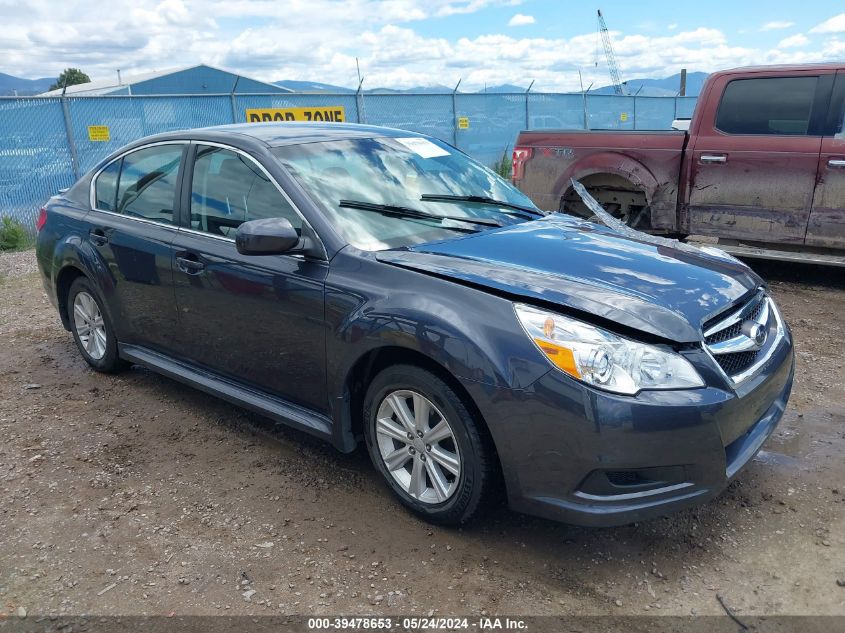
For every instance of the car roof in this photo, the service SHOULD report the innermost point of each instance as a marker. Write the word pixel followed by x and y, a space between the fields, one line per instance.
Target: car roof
pixel 275 134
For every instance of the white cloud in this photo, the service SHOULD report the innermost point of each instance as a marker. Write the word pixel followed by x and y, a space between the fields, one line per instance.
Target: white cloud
pixel 836 24
pixel 520 19
pixel 672 26
pixel 457 7
pixel 794 41
pixel 256 38
pixel 776 25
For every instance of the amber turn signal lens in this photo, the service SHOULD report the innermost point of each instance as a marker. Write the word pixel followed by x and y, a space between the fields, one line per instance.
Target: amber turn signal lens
pixel 562 357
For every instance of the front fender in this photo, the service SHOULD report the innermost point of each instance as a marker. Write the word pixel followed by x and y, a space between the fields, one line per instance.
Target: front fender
pixel 469 333
pixel 608 163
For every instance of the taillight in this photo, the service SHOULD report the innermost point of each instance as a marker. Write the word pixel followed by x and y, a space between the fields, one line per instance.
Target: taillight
pixel 520 155
pixel 42 219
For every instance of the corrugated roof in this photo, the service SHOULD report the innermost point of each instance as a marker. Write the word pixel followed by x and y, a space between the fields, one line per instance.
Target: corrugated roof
pixel 105 86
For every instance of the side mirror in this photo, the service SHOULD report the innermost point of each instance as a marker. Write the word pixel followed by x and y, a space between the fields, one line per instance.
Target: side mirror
pixel 269 236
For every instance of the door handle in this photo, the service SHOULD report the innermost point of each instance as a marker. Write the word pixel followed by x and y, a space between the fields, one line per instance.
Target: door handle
pixel 189 264
pixel 713 158
pixel 836 162
pixel 98 237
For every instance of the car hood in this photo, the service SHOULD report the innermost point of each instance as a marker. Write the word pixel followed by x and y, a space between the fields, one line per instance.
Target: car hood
pixel 664 291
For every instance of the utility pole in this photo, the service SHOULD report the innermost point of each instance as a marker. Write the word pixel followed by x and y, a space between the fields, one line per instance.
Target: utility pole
pixel 119 83
pixel 683 90
pixel 455 112
pixel 359 96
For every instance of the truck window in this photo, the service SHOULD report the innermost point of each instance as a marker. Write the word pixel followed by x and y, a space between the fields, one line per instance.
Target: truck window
pixel 769 105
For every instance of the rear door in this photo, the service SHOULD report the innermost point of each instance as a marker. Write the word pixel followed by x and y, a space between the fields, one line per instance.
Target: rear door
pixel 132 227
pixel 755 156
pixel 256 319
pixel 827 220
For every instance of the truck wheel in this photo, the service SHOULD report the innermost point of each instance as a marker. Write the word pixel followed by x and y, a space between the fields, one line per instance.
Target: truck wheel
pixel 427 446
pixel 617 196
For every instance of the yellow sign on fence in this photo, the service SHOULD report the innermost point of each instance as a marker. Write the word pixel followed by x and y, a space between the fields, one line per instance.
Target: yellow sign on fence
pixel 463 122
pixel 335 114
pixel 623 117
pixel 98 133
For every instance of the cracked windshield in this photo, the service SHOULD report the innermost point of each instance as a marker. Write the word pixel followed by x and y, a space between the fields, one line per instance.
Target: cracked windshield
pixel 398 172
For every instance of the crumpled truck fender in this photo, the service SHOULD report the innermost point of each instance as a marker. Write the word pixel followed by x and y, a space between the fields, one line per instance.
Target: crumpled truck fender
pixel 608 163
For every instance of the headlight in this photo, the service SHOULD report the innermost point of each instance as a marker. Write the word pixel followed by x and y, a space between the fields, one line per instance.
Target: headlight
pixel 603 359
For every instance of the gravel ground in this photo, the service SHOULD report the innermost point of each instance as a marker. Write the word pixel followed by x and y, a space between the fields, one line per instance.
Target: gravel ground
pixel 132 494
pixel 17 263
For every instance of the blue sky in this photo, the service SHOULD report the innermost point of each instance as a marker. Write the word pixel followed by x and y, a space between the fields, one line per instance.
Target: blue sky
pixel 404 43
pixel 566 19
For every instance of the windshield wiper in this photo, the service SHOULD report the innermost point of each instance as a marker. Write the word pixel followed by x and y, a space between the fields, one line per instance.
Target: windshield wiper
pixel 436 197
pixel 407 212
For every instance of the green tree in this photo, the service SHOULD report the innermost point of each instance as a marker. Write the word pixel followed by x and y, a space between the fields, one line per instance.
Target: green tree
pixel 70 77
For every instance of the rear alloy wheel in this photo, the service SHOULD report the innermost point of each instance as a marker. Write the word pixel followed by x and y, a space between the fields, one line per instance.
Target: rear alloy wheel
pixel 91 327
pixel 432 452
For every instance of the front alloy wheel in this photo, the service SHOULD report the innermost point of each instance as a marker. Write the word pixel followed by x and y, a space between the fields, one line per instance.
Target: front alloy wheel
pixel 433 452
pixel 417 445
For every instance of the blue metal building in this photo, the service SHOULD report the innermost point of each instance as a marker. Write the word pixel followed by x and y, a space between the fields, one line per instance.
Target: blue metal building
pixel 193 80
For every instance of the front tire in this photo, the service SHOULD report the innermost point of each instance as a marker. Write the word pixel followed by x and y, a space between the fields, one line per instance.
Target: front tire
pixel 92 330
pixel 433 454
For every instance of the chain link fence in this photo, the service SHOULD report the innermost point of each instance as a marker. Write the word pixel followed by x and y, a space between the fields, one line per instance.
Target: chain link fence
pixel 47 143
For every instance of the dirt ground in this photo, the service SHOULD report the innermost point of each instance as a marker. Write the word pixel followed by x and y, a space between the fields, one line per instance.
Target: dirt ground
pixel 133 494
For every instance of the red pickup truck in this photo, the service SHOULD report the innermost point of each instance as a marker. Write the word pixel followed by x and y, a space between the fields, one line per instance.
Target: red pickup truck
pixel 762 166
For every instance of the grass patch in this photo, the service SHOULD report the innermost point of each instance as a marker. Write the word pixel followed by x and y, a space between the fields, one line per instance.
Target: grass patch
pixel 13 235
pixel 504 166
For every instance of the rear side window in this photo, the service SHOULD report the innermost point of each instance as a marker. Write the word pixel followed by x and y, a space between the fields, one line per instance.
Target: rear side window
pixel 228 189
pixel 769 105
pixel 106 186
pixel 147 184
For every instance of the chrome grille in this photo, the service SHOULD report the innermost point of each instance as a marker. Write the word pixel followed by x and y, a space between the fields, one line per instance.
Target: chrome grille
pixel 743 340
pixel 734 363
pixel 735 330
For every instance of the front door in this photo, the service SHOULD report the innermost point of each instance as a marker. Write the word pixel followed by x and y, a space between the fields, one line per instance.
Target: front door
pixel 132 228
pixel 753 164
pixel 827 221
pixel 257 319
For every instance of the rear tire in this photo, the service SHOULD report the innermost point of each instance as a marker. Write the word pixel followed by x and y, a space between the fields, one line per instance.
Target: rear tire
pixel 430 450
pixel 91 327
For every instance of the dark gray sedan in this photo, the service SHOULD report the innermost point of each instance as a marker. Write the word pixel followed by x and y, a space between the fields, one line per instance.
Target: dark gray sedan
pixel 375 285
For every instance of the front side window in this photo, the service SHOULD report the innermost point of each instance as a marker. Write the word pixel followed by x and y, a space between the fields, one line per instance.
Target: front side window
pixel 768 105
pixel 228 189
pixel 401 172
pixel 147 183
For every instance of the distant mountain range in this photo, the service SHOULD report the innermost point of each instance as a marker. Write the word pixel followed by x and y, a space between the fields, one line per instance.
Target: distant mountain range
pixel 667 87
pixel 24 87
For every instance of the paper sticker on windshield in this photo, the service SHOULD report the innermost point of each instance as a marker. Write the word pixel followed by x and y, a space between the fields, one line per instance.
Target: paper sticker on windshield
pixel 423 147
